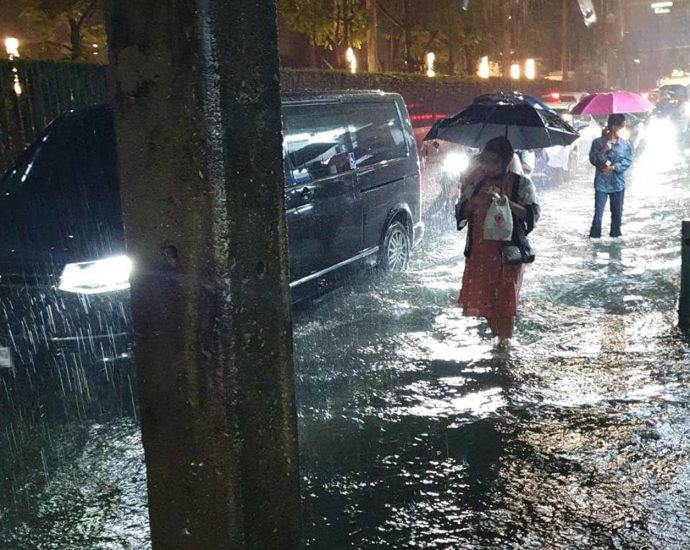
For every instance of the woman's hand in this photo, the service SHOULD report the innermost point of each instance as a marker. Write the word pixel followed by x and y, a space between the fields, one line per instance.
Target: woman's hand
pixel 518 210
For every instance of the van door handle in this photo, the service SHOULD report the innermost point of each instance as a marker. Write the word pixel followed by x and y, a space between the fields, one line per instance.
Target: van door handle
pixel 307 194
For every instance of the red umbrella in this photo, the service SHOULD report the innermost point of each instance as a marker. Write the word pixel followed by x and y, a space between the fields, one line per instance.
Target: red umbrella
pixel 608 103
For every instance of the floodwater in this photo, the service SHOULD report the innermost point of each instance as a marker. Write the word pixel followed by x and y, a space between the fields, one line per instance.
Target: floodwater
pixel 416 433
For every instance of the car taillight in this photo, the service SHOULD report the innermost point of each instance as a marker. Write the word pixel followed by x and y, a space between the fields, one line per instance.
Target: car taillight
pixel 97 277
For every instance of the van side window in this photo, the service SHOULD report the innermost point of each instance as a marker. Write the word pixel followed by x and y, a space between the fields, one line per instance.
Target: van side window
pixel 317 142
pixel 377 132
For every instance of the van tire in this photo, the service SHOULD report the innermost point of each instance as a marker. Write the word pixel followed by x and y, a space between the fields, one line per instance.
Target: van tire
pixel 395 250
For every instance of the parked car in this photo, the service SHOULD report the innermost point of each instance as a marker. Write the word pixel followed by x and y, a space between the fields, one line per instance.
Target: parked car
pixel 352 193
pixel 563 102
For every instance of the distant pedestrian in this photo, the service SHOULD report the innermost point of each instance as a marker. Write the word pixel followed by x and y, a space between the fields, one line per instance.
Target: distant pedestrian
pixel 490 285
pixel 558 162
pixel 612 156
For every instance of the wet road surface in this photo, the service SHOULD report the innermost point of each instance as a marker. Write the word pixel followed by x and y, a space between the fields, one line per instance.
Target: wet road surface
pixel 415 433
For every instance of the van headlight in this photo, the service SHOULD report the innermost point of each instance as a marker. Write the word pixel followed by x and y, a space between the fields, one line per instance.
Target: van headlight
pixel 456 163
pixel 97 277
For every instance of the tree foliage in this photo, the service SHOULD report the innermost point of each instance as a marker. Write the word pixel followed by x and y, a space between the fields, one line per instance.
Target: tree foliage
pixel 64 28
pixel 332 24
pixel 505 30
pixel 412 28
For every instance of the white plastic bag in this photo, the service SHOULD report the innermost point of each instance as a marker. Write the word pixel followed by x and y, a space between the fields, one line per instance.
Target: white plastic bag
pixel 498 225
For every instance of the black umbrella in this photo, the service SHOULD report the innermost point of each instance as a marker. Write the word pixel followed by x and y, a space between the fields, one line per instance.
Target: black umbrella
pixel 525 121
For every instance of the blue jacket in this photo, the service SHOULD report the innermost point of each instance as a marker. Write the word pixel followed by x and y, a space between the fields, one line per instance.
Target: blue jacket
pixel 620 157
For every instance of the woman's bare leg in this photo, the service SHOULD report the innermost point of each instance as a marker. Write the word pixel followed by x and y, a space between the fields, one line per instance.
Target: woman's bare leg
pixel 493 326
pixel 504 327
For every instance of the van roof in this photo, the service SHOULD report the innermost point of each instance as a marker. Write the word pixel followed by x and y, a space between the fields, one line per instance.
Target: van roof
pixel 339 96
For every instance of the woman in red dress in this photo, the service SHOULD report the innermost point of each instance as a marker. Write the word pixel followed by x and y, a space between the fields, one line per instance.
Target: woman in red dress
pixel 490 288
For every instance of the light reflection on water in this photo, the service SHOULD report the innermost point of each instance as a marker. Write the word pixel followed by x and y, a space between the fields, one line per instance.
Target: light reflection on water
pixel 414 433
pixel 577 440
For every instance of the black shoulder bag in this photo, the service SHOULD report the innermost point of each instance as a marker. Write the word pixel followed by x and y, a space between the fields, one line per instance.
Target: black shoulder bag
pixel 518 250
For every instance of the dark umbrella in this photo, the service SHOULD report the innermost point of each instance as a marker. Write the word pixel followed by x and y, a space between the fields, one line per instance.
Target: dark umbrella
pixel 524 120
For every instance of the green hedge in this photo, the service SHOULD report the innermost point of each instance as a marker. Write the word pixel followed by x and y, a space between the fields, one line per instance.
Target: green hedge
pixel 443 94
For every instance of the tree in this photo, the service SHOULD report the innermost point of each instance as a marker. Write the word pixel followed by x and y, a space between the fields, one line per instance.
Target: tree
pixel 409 21
pixel 62 27
pixel 331 24
pixel 455 34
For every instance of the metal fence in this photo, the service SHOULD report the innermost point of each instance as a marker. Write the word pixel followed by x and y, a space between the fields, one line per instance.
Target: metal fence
pixel 32 93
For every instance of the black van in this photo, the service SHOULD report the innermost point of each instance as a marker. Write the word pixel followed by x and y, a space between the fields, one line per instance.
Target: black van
pixel 352 193
pixel 353 182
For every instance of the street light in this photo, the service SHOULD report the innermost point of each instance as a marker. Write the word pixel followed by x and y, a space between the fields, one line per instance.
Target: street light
pixel 484 69
pixel 661 8
pixel 430 60
pixel 530 69
pixel 12 49
pixel 351 59
pixel 515 71
pixel 588 12
pixel 12 46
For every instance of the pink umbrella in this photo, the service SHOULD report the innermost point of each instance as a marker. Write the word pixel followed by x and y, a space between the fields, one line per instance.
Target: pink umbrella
pixel 608 103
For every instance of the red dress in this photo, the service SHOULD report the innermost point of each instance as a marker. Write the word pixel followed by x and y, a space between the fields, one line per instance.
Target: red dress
pixel 490 288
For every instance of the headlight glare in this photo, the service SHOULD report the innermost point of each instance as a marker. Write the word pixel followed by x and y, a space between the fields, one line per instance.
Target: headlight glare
pixel 97 277
pixel 456 163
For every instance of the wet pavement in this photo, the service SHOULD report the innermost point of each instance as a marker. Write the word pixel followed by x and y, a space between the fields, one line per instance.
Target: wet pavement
pixel 415 433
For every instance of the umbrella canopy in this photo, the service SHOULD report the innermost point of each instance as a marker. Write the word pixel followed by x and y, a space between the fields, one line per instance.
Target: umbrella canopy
pixel 524 120
pixel 609 103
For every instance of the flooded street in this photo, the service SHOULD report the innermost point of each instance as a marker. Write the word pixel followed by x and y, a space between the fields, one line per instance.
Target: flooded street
pixel 415 433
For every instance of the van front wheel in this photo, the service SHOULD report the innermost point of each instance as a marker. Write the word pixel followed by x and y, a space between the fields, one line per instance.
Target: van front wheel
pixel 395 252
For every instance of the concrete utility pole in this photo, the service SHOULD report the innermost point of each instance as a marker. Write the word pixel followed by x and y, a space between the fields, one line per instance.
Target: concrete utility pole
pixel 197 112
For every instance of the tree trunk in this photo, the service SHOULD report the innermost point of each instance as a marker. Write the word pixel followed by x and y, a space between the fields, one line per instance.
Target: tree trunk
pixel 313 52
pixel 407 31
pixel 346 25
pixel 564 39
pixel 75 39
pixel 392 51
pixel 372 38
pixel 505 65
pixel 451 57
pixel 337 38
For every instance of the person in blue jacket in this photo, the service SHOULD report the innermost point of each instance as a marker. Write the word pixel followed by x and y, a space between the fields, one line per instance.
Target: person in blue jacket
pixel 611 155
